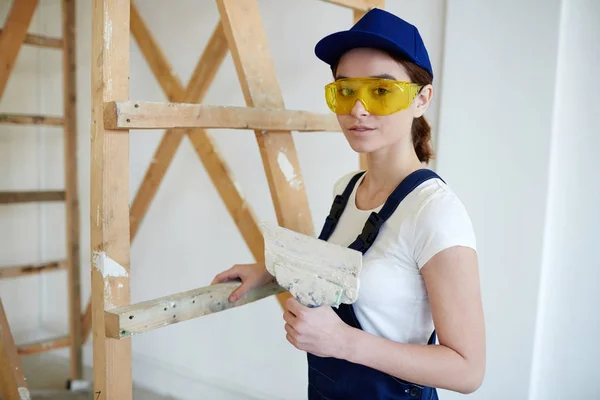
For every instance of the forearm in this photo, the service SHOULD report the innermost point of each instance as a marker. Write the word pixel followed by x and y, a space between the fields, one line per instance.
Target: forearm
pixel 435 366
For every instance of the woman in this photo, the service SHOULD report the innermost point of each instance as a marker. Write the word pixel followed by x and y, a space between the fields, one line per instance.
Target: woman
pixel 420 267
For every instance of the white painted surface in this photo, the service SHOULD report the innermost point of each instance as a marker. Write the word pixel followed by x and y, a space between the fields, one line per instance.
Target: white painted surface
pixel 495 132
pixel 107 266
pixel 24 393
pixel 498 87
pixel 568 322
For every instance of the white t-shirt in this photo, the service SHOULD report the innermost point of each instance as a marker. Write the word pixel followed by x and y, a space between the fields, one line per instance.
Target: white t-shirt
pixel 392 299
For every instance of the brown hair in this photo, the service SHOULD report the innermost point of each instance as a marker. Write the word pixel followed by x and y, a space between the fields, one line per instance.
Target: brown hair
pixel 421 130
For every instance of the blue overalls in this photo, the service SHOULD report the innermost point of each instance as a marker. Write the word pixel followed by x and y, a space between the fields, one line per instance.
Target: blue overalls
pixel 335 379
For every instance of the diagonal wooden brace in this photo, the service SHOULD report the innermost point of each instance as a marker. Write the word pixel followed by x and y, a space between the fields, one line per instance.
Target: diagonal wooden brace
pixel 13 385
pixel 12 37
pixel 206 69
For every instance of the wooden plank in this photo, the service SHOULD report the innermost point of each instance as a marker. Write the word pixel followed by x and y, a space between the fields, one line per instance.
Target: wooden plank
pixel 43 346
pixel 42 41
pixel 31 196
pixel 206 68
pixel 31 269
pixel 71 187
pixel 27 119
pixel 13 33
pixel 86 322
pixel 109 198
pixel 256 72
pixel 123 322
pixel 157 115
pixel 358 5
pixel 13 385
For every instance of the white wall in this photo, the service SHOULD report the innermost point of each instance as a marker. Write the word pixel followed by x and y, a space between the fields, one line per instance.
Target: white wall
pixel 497 79
pixel 568 323
pixel 495 133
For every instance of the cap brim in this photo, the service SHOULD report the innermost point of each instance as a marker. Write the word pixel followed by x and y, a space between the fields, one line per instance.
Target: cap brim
pixel 332 47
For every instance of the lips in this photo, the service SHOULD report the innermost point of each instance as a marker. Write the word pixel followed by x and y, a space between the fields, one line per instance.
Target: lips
pixel 361 129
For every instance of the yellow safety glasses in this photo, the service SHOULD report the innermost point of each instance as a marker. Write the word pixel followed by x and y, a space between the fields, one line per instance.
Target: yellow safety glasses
pixel 378 96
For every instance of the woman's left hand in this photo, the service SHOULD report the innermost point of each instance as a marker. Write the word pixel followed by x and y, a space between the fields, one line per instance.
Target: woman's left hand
pixel 318 331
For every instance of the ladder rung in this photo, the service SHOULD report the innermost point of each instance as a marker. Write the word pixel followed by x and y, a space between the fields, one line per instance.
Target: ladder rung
pixel 30 269
pixel 44 345
pixel 29 197
pixel 42 41
pixel 28 119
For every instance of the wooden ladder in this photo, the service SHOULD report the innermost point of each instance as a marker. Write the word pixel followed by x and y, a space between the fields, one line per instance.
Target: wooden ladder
pixel 12 37
pixel 114 223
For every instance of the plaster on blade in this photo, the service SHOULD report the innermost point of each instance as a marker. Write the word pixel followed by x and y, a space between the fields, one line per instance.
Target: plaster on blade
pixel 314 271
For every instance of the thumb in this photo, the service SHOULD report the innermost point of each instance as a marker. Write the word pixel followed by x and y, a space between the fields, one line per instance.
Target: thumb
pixel 239 292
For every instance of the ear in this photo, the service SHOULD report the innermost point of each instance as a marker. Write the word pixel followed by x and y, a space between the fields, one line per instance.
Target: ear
pixel 423 100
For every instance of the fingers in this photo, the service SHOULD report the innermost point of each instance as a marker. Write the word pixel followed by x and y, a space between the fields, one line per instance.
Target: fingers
pixel 227 275
pixel 291 340
pixel 289 318
pixel 224 276
pixel 292 335
pixel 244 272
pixel 238 293
pixel 294 306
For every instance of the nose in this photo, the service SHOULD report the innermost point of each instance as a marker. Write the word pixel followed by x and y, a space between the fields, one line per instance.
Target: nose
pixel 359 109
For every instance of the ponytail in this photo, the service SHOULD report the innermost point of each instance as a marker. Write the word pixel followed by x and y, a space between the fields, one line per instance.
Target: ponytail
pixel 421 136
pixel 421 131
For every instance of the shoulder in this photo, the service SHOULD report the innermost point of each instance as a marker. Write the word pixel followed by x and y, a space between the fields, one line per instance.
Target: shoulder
pixel 437 199
pixel 440 221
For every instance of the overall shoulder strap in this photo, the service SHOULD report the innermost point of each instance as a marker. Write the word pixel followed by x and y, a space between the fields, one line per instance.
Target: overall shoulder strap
pixel 371 228
pixel 338 206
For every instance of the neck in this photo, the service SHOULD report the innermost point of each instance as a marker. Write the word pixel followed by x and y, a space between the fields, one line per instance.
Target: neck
pixel 386 168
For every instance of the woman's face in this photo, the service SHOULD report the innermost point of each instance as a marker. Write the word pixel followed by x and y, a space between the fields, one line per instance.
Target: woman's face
pixel 366 132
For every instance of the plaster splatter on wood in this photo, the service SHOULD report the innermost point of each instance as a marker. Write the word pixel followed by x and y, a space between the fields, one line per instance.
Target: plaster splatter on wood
pixel 24 394
pixel 314 271
pixel 126 321
pixel 288 170
pixel 107 266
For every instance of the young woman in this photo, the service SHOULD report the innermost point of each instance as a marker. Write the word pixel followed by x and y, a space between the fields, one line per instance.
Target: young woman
pixel 420 267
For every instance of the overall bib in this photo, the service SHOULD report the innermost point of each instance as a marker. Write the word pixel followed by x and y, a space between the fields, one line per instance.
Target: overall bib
pixel 334 379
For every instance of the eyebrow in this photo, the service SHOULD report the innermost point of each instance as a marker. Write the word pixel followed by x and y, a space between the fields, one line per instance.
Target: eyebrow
pixel 382 76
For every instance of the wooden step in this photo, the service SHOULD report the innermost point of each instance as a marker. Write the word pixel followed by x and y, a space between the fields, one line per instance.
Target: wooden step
pixel 42 346
pixel 32 196
pixel 31 269
pixel 29 119
pixel 42 41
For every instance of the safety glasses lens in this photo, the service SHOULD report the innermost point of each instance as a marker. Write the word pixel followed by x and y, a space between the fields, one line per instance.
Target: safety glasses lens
pixel 378 96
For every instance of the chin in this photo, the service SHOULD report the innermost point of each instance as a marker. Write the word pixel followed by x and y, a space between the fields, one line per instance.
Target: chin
pixel 362 144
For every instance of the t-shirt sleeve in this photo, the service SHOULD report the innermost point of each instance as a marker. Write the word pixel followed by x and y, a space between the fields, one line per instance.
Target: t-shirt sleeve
pixel 443 222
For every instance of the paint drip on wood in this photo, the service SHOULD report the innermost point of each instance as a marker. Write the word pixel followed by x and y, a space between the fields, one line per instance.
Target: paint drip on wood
pixel 288 171
pixel 107 266
pixel 24 393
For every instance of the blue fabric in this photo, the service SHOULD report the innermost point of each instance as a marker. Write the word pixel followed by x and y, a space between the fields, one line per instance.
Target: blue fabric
pixel 331 378
pixel 377 29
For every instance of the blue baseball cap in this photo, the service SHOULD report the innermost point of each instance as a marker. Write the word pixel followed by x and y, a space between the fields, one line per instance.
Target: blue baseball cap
pixel 377 29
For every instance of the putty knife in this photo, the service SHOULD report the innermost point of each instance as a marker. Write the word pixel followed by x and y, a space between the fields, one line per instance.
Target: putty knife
pixel 314 271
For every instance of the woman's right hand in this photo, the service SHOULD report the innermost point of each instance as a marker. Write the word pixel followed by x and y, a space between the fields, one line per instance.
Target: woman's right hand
pixel 251 275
